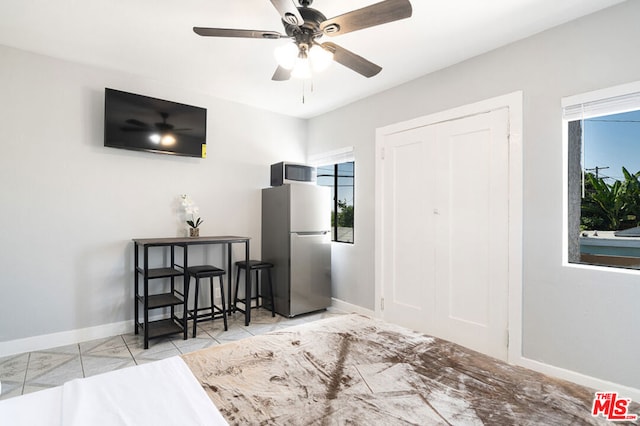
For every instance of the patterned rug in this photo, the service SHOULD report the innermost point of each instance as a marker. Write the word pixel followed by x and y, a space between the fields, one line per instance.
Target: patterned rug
pixel 355 370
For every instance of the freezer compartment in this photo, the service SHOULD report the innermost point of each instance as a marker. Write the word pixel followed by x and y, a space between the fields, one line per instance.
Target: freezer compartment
pixel 310 278
pixel 310 208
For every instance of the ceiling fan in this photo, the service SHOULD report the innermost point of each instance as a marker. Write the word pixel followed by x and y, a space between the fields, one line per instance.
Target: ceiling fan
pixel 161 132
pixel 304 25
pixel 139 126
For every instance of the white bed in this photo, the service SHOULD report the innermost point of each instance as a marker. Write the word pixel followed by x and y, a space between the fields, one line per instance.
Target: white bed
pixel 159 393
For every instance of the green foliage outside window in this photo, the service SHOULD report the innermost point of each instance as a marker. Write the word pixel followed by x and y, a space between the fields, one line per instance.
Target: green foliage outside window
pixel 611 206
pixel 345 214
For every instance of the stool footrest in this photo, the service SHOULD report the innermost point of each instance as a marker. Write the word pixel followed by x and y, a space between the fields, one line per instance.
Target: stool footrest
pixel 208 316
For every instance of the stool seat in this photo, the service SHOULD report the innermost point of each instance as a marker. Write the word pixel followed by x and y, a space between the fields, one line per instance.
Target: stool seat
pixel 204 271
pixel 207 271
pixel 257 266
pixel 254 264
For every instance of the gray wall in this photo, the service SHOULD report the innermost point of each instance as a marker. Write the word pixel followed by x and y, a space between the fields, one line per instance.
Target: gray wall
pixel 70 206
pixel 581 320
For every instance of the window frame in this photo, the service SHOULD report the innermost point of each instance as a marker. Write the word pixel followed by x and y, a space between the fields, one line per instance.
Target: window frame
pixel 334 159
pixel 608 101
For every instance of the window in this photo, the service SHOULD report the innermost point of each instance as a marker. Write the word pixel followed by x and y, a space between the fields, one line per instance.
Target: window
pixel 602 130
pixel 339 177
pixel 336 170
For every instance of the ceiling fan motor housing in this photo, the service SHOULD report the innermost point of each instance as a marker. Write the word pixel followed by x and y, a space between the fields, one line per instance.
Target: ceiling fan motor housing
pixel 308 31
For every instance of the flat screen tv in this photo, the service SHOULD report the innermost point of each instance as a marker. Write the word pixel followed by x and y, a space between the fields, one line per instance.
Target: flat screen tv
pixel 143 123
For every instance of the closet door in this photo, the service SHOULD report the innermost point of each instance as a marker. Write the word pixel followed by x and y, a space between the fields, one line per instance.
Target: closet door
pixel 445 230
pixel 409 227
pixel 472 232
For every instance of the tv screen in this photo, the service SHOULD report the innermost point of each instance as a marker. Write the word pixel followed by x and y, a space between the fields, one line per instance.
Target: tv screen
pixel 148 124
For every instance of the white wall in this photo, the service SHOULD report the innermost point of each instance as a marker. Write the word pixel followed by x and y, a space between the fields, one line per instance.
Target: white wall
pixel 585 321
pixel 70 206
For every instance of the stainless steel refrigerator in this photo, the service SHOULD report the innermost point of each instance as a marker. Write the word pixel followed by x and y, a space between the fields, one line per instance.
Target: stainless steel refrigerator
pixel 296 238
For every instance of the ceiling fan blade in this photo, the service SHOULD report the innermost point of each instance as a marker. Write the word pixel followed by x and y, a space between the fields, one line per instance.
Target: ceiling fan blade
pixel 281 74
pixel 136 122
pixel 288 11
pixel 351 60
pixel 369 16
pixel 229 32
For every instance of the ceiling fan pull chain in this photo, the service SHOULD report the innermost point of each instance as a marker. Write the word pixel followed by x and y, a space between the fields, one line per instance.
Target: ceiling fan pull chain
pixel 303 91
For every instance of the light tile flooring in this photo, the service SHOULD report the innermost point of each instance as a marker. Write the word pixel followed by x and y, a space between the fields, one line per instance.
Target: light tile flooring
pixel 33 371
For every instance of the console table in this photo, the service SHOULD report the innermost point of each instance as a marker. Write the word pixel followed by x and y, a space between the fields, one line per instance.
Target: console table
pixel 174 270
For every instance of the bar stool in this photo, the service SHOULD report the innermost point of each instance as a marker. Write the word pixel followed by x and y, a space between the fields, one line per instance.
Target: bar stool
pixel 257 266
pixel 207 271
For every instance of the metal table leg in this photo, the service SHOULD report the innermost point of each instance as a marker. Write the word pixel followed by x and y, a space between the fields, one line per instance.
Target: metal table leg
pixel 247 287
pixel 185 290
pixel 231 303
pixel 146 297
pixel 136 286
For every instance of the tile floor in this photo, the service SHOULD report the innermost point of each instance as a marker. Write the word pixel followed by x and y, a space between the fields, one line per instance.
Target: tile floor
pixel 34 371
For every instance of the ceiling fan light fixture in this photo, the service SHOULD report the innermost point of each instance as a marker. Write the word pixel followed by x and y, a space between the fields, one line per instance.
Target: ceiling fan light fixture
pixel 302 69
pixel 320 58
pixel 168 139
pixel 165 139
pixel 286 55
pixel 155 138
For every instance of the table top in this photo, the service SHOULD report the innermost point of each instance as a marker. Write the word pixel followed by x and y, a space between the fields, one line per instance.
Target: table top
pixel 216 239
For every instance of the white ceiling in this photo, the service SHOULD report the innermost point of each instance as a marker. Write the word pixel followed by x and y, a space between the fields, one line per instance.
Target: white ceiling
pixel 154 39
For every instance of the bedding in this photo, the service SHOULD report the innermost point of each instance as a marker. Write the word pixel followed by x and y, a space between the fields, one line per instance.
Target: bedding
pixel 355 370
pixel 159 393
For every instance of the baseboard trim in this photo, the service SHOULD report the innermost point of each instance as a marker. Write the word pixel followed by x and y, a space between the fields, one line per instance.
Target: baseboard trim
pixel 348 307
pixel 64 338
pixel 579 378
pixel 72 337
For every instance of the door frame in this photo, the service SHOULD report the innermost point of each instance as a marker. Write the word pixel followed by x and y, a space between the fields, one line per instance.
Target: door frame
pixel 513 101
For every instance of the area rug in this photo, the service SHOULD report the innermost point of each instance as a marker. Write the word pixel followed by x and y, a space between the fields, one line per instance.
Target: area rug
pixel 352 369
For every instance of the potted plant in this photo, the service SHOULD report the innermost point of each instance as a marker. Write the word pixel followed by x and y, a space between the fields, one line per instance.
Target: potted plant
pixel 191 212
